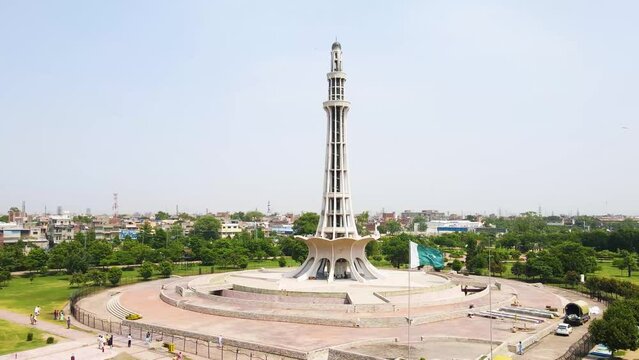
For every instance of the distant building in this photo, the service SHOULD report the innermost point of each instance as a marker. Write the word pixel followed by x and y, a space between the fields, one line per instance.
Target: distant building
pixel 61 228
pixel 229 230
pixel 282 229
pixel 444 226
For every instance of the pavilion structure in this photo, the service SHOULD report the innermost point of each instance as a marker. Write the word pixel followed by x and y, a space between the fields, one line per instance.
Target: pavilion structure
pixel 336 251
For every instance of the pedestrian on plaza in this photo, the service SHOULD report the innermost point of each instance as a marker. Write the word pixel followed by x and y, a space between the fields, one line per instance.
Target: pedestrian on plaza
pixel 129 338
pixel 72 356
pixel 100 343
pixel 55 314
pixel 219 341
pixel 35 319
pixel 180 356
pixel 110 341
pixel 68 322
pixel 147 338
pixel 61 315
pixel 31 318
pixel 520 348
pixel 36 311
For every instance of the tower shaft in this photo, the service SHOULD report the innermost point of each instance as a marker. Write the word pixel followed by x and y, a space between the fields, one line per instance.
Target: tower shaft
pixel 336 218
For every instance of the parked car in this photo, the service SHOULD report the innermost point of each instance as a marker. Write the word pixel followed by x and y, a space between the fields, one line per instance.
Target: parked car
pixel 563 329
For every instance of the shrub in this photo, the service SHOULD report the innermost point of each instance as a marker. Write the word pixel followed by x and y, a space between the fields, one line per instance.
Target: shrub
pixel 456 265
pixel 30 336
pixel 114 275
pixel 281 261
pixel 146 270
pixel 77 279
pixel 166 268
pixel 50 340
pixel 97 277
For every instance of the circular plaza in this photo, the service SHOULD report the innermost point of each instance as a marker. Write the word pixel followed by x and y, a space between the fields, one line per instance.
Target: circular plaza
pixel 263 309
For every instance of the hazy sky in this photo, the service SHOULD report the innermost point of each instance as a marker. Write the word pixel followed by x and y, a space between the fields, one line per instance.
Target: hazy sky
pixel 458 106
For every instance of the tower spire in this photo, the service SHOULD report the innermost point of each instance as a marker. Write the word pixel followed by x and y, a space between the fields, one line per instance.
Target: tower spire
pixel 336 217
pixel 336 251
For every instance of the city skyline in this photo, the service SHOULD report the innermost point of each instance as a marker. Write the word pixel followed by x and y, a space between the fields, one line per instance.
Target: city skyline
pixel 473 107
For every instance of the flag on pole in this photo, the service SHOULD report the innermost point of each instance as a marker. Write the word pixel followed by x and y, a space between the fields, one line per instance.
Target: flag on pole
pixel 421 255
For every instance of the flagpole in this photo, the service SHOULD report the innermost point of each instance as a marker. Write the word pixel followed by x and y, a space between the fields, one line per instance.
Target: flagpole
pixel 490 300
pixel 408 341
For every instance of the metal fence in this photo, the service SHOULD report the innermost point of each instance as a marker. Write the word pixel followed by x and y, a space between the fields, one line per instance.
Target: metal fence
pixel 205 346
pixel 579 349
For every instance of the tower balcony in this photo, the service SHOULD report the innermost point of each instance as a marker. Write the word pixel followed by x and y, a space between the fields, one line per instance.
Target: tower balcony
pixel 338 103
pixel 336 75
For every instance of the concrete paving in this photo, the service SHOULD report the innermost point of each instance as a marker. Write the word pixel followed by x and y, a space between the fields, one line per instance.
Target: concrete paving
pixel 79 343
pixel 144 299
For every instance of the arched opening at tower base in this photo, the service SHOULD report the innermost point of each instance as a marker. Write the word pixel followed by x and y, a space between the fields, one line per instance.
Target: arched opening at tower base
pixel 323 270
pixel 342 269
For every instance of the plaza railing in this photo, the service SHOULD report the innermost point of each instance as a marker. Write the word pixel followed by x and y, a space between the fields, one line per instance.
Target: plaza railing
pixel 579 349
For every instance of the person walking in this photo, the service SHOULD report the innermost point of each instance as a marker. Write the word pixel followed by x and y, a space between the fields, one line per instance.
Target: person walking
pixel 110 341
pixel 55 314
pixel 129 338
pixel 68 322
pixel 219 341
pixel 31 318
pixel 147 339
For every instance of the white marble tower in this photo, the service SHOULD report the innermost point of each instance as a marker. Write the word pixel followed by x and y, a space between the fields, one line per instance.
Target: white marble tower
pixel 336 251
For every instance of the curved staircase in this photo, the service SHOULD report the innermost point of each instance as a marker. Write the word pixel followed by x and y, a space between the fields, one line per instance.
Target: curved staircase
pixel 116 309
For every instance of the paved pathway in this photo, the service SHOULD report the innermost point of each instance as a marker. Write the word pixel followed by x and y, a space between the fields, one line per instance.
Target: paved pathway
pixel 81 344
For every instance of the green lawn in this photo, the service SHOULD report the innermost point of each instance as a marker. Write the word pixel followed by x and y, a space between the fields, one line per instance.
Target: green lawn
pixel 49 292
pixel 13 338
pixel 607 270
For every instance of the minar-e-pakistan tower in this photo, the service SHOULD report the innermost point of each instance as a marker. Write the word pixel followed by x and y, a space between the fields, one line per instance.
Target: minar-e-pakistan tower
pixel 336 251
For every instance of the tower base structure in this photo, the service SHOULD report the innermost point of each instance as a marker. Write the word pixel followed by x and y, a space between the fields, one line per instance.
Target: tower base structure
pixel 336 259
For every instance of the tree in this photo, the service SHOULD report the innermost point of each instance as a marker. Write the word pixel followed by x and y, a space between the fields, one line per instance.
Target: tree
pixel 98 251
pixel 69 255
pixel 626 261
pixel 574 256
pixel 361 220
pixel 161 215
pixel 616 332
pixel 390 227
pixel 97 277
pixel 114 275
pixel 146 270
pixel 4 218
pixel 396 249
pixel 37 259
pixel 207 227
pixel 571 278
pixel 5 275
pixel 421 222
pixel 253 215
pixel 166 268
pixel 306 224
pixel 518 269
pixel 294 248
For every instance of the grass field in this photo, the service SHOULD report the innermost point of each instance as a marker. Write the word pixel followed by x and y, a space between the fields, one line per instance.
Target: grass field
pixel 52 292
pixel 13 338
pixel 607 270
pixel 49 292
